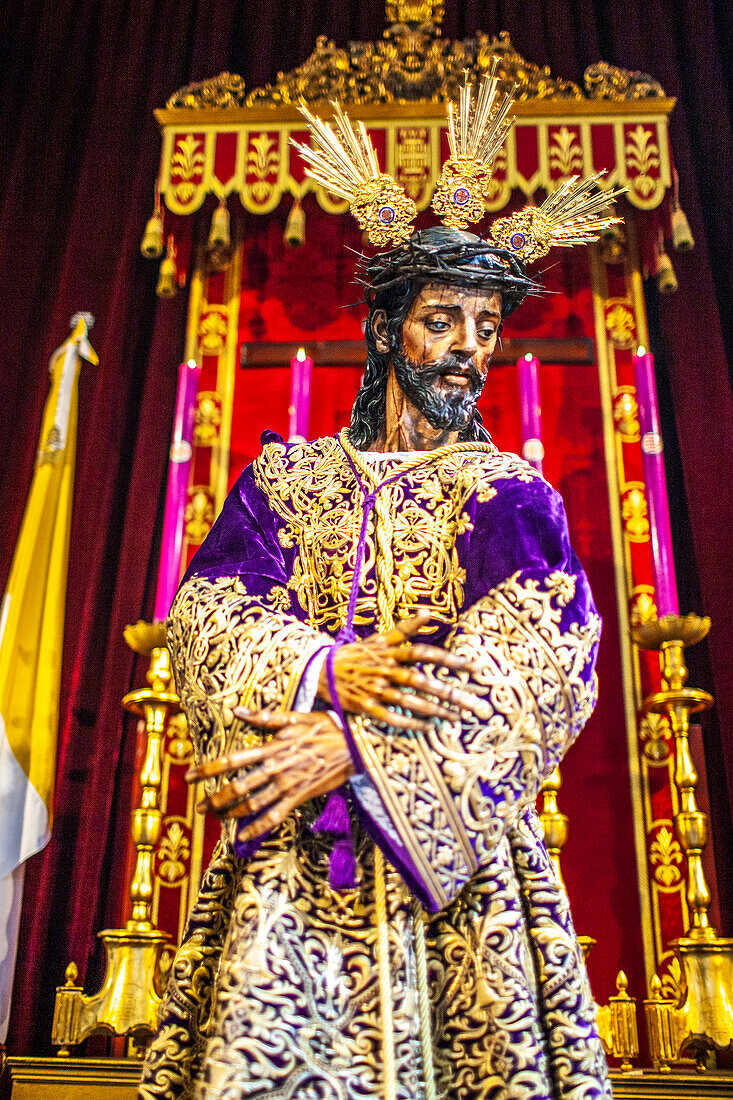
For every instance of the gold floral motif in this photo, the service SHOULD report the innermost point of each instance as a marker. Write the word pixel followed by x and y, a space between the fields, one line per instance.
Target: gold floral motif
pixel 173 851
pixel 342 159
pixel 217 635
pixel 574 213
pixel 375 196
pixel 535 677
pixel 460 174
pixel 178 745
pixel 664 854
pixel 642 155
pixel 626 414
pixel 208 418
pixel 297 961
pixel 276 984
pixel 672 980
pixel 212 330
pixel 565 153
pixel 411 61
pixel 620 323
pixel 175 1055
pixel 188 161
pixel 642 608
pixel 199 513
pixel 278 599
pixel 478 126
pixel 415 11
pixel 634 512
pixel 653 734
pixel 262 161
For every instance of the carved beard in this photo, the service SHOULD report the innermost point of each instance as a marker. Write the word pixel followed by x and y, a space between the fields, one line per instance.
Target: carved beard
pixel 451 411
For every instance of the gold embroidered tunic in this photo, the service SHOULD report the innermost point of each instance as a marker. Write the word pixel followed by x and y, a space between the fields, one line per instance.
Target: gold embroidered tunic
pixel 452 968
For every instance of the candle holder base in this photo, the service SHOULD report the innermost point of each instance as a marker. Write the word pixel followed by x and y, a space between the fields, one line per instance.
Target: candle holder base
pixel 707 1008
pixel 128 1002
pixel 703 1021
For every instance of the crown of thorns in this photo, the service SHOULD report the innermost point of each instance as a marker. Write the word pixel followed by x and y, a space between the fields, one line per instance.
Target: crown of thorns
pixel 467 261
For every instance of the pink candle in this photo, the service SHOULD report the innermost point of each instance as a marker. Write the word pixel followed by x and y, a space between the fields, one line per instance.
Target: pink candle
pixel 301 368
pixel 531 410
pixel 660 531
pixel 169 571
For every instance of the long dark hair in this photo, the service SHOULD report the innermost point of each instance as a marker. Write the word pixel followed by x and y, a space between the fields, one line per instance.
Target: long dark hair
pixel 369 409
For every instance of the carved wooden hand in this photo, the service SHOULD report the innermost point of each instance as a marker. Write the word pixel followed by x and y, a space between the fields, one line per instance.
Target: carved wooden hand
pixel 307 757
pixel 371 679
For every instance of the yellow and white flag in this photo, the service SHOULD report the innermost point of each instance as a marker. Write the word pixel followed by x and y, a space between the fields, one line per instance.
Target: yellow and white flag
pixel 31 642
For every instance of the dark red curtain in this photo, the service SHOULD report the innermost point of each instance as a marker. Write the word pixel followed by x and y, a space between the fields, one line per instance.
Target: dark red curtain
pixel 78 157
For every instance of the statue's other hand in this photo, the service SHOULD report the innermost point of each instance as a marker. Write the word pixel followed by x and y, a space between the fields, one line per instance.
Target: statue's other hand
pixel 373 677
pixel 308 756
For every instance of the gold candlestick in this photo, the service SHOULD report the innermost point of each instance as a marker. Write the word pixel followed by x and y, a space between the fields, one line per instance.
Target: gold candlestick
pixel 128 1002
pixel 617 1019
pixel 704 1019
pixel 554 824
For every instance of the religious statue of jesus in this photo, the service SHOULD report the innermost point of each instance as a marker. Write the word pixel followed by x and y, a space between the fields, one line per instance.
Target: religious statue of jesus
pixel 383 647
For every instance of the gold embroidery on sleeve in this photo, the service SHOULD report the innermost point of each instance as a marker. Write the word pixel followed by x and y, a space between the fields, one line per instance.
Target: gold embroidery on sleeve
pixel 539 697
pixel 230 650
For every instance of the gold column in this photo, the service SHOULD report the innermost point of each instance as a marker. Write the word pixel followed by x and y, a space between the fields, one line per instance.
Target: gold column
pixel 704 1019
pixel 128 1002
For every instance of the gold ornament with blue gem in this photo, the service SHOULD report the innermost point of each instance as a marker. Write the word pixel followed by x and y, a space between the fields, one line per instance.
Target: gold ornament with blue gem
pixel 344 161
pixel 575 213
pixel 476 134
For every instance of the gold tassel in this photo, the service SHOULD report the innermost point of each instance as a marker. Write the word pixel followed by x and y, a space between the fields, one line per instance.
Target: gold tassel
pixel 666 278
pixel 682 237
pixel 219 245
pixel 152 242
pixel 294 235
pixel 167 284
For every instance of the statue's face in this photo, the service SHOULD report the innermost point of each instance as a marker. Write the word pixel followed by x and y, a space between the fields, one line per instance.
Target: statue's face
pixel 448 338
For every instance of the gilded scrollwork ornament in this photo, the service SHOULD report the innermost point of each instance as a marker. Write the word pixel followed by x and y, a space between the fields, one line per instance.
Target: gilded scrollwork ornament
pixel 604 81
pixel 412 61
pixel 573 214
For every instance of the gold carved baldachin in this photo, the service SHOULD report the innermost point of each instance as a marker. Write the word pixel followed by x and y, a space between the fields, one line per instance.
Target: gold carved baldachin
pixel 412 61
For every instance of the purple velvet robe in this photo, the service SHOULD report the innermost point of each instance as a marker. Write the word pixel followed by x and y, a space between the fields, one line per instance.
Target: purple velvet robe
pixel 451 967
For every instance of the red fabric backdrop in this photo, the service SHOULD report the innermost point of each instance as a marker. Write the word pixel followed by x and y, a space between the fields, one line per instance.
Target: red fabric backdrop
pixel 78 155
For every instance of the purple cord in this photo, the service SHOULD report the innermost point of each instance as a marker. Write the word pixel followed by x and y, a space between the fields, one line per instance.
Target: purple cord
pixel 342 866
